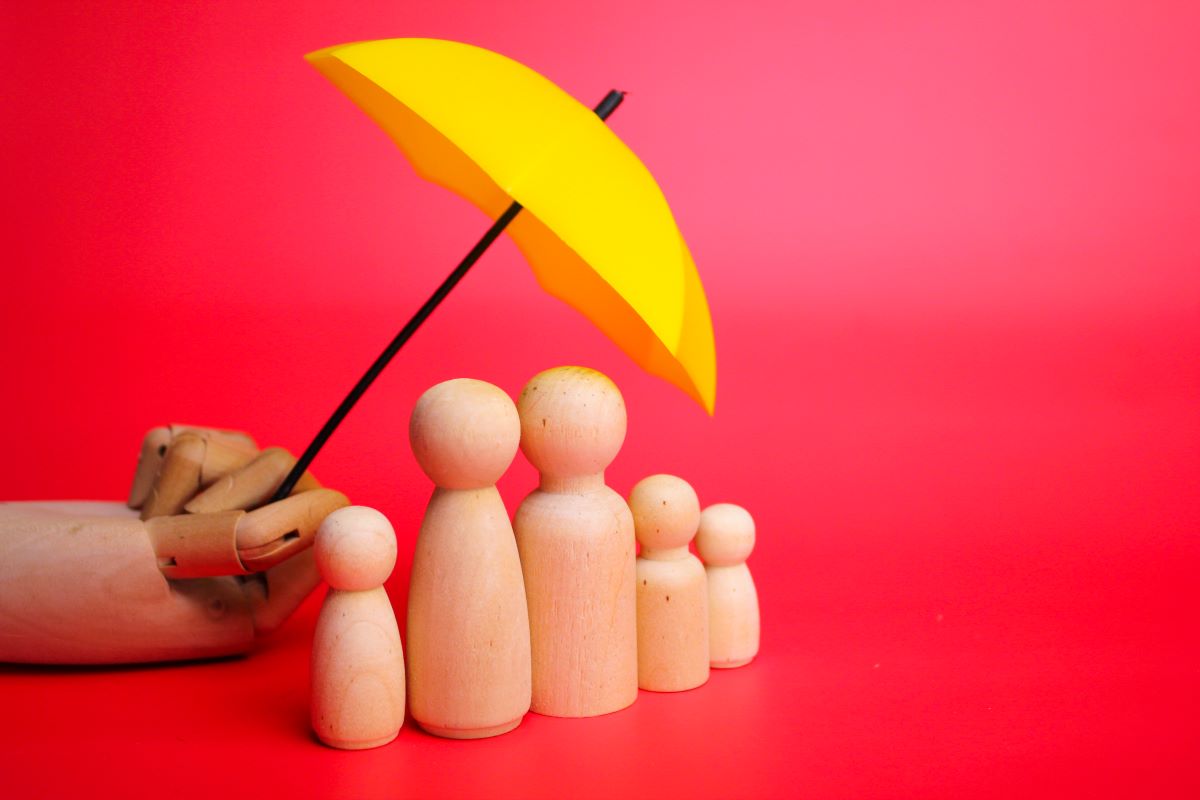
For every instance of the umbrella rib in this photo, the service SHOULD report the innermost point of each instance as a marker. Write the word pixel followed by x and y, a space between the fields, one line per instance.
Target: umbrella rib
pixel 602 110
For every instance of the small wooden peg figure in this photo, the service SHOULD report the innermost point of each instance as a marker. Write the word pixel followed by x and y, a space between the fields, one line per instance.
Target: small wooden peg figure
pixel 468 626
pixel 724 541
pixel 672 590
pixel 357 660
pixel 575 536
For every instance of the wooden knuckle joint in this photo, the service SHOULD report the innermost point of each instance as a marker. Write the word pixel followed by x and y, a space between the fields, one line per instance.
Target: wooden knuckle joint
pixel 197 545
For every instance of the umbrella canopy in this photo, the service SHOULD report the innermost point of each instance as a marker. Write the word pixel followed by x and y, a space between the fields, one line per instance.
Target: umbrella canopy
pixel 597 230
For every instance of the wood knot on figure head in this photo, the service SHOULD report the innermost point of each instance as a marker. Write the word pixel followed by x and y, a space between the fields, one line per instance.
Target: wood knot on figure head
pixel 355 549
pixel 572 425
pixel 666 513
pixel 464 433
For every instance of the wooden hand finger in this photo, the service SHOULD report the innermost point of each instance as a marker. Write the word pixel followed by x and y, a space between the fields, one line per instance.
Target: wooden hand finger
pixel 251 485
pixel 197 545
pixel 239 542
pixel 191 462
pixel 157 442
pixel 154 447
pixel 275 532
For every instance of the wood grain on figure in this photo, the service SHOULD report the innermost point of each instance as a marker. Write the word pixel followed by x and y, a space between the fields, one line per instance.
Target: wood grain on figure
pixel 724 541
pixel 672 590
pixel 468 626
pixel 357 659
pixel 575 537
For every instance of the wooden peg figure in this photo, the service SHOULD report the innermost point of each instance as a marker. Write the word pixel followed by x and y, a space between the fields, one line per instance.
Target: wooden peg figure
pixel 357 660
pixel 575 536
pixel 672 590
pixel 724 541
pixel 468 627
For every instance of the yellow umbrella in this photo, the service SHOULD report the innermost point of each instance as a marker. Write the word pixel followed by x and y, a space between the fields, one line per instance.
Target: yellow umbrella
pixel 598 232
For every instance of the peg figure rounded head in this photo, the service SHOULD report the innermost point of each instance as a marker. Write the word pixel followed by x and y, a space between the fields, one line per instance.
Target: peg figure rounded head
pixel 572 421
pixel 726 535
pixel 464 433
pixel 666 512
pixel 355 548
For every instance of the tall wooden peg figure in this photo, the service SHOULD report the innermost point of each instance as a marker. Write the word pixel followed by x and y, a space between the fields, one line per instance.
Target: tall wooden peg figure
pixel 357 660
pixel 575 535
pixel 724 541
pixel 468 627
pixel 672 590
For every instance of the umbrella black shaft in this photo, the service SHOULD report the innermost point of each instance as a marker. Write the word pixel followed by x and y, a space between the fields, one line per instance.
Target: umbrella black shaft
pixel 605 107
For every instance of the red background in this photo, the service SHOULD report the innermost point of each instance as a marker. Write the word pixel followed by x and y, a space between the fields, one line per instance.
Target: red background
pixel 953 256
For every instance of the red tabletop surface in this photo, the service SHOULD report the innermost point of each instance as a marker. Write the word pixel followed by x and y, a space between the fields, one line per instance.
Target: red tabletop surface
pixel 953 257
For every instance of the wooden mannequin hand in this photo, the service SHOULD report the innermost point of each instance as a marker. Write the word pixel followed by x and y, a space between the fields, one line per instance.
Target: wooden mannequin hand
pixel 204 494
pixel 91 583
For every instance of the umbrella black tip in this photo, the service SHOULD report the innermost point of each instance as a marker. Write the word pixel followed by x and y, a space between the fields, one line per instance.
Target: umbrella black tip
pixel 609 103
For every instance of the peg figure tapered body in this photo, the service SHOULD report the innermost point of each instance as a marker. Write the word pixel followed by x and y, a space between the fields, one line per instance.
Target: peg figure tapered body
pixel 724 541
pixel 357 660
pixel 575 536
pixel 672 590
pixel 468 627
